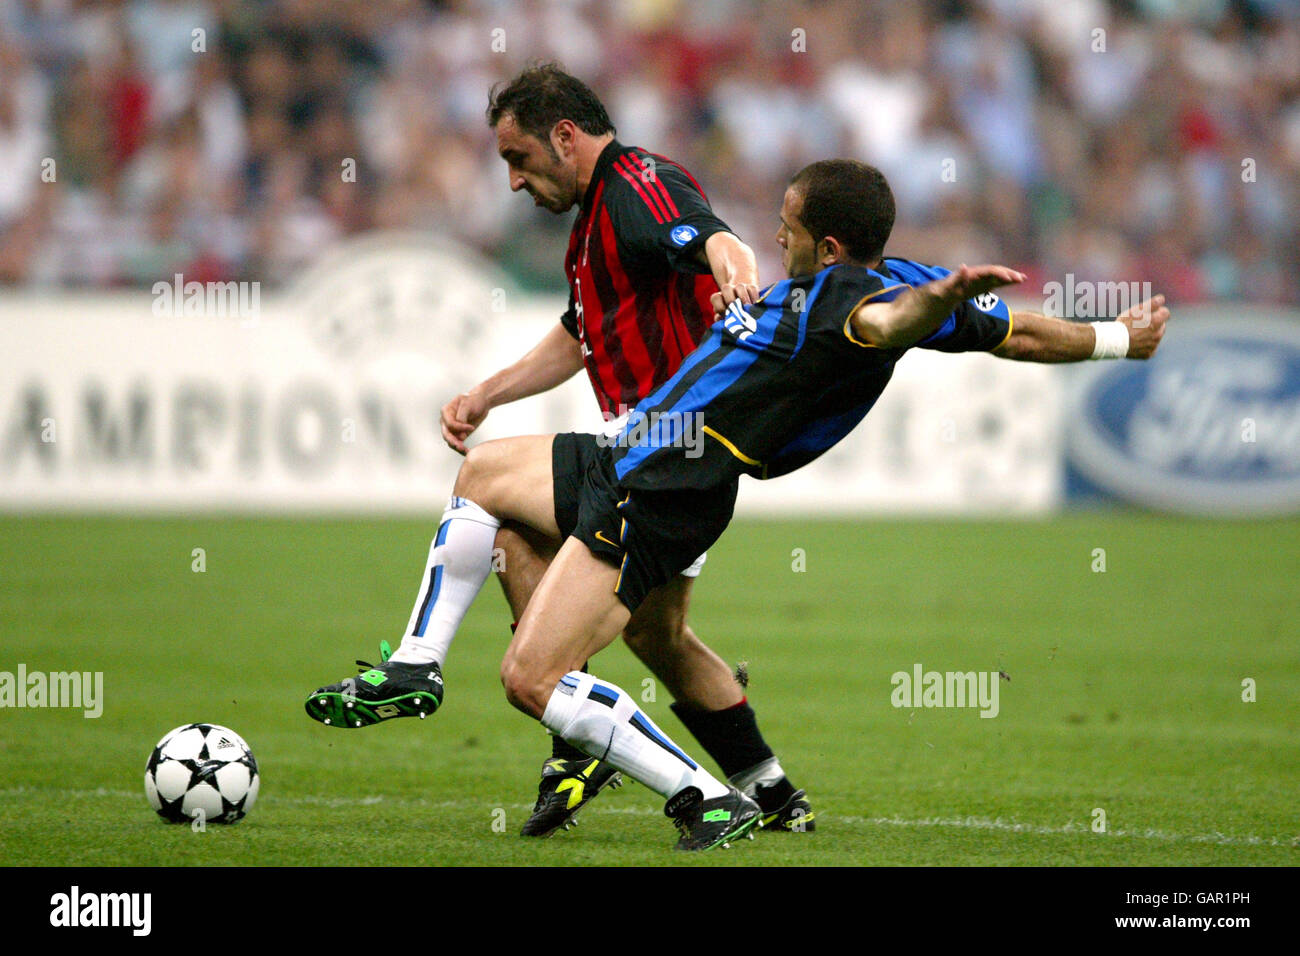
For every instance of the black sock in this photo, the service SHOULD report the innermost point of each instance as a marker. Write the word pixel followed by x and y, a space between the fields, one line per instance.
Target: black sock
pixel 564 750
pixel 774 797
pixel 729 736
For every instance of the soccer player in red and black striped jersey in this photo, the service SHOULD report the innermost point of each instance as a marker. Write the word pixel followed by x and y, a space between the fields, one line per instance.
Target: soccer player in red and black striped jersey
pixel 649 266
pixel 639 295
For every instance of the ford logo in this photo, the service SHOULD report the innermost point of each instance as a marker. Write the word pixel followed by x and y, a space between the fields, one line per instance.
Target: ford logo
pixel 1210 425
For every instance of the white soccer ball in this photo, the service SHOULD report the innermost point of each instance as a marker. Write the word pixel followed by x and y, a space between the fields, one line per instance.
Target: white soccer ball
pixel 201 772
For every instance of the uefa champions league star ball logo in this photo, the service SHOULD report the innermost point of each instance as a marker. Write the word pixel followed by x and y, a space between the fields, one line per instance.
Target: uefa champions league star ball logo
pixel 681 235
pixel 395 294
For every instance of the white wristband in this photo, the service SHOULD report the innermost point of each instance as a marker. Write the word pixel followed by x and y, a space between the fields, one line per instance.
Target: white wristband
pixel 1112 340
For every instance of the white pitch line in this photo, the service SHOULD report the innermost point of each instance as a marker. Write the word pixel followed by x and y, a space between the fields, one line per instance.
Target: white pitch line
pixel 1072 829
pixel 996 824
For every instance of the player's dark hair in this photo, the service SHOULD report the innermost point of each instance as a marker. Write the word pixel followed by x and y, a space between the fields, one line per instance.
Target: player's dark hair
pixel 541 96
pixel 850 201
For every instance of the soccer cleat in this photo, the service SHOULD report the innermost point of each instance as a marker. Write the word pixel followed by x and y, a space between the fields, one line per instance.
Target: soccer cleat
pixel 785 809
pixel 567 786
pixel 378 693
pixel 704 824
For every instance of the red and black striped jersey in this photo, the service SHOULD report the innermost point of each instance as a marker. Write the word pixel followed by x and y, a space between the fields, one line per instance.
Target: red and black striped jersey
pixel 638 296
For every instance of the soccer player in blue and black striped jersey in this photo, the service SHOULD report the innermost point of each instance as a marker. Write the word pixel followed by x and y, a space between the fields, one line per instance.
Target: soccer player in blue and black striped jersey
pixel 649 264
pixel 772 387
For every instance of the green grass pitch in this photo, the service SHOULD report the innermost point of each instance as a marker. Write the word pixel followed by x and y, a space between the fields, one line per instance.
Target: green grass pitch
pixel 1125 694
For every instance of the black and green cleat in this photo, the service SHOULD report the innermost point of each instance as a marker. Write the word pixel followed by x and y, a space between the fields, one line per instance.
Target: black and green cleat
pixel 378 693
pixel 704 824
pixel 567 786
pixel 785 809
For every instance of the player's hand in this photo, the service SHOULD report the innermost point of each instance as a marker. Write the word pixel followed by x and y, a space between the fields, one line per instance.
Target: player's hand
pixel 967 282
pixel 1146 326
pixel 460 417
pixel 746 292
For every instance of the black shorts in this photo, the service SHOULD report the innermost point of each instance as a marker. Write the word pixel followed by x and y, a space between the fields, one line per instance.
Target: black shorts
pixel 651 536
pixel 571 455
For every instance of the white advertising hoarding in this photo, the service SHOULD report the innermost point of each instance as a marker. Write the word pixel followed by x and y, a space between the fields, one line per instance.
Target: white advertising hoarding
pixel 326 397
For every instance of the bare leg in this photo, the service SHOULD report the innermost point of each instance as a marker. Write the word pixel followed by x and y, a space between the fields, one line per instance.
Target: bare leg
pixel 511 479
pixel 707 698
pixel 659 635
pixel 528 554
pixel 573 614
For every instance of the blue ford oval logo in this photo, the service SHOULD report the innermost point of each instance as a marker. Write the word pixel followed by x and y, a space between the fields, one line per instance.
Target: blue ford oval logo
pixel 1210 425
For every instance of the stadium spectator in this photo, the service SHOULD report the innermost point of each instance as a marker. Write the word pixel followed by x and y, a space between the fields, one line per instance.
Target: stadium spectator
pixel 211 134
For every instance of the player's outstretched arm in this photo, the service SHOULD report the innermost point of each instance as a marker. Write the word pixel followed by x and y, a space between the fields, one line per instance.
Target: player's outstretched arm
pixel 919 312
pixel 551 362
pixel 734 267
pixel 1039 338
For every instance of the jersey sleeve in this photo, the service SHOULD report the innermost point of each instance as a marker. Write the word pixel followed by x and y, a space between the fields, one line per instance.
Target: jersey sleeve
pixel 659 214
pixel 980 324
pixel 864 289
pixel 570 317
pixel 976 325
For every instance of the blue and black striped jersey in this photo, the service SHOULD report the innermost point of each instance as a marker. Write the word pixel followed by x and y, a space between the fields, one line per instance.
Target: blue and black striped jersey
pixel 775 385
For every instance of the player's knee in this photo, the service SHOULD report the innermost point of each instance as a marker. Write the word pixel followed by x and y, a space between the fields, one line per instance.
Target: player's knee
pixel 470 477
pixel 479 473
pixel 651 636
pixel 639 641
pixel 514 683
pixel 523 688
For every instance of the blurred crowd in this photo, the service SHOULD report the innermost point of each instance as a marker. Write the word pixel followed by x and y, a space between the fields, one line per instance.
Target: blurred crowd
pixel 1143 140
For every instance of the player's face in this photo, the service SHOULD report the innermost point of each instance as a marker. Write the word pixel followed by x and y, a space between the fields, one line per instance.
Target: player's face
pixel 550 179
pixel 798 249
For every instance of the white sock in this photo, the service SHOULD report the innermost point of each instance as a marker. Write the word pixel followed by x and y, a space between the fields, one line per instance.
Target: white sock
pixel 766 773
pixel 460 560
pixel 603 721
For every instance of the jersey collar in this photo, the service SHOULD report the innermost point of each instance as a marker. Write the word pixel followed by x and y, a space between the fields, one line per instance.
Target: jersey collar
pixel 606 159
